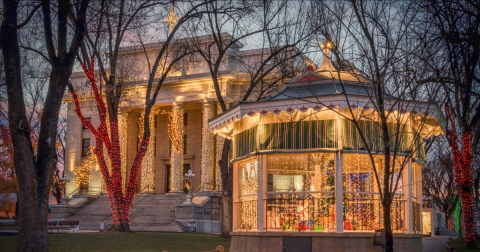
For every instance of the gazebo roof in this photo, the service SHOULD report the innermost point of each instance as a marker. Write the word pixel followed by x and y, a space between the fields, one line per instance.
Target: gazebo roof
pixel 320 91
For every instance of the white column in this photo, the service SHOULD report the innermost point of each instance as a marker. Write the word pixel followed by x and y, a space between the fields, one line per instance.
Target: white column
pixel 262 189
pixel 176 160
pixel 339 192
pixel 407 194
pixel 208 148
pixel 339 180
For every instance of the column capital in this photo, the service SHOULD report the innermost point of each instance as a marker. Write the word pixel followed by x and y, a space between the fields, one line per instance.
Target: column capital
pixel 207 100
pixel 177 104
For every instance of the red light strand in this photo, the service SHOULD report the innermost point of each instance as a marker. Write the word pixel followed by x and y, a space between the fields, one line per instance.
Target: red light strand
pixel 119 203
pixel 462 164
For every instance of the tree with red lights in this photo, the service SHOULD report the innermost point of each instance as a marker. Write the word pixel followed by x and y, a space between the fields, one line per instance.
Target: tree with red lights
pixel 108 99
pixel 454 35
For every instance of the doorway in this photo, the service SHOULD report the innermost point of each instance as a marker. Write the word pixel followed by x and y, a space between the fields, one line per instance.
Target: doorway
pixel 427 223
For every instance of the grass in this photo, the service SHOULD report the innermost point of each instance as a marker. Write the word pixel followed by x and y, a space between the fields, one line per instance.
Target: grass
pixel 459 245
pixel 140 241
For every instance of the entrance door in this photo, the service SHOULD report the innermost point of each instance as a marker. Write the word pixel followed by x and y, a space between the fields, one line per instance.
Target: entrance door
pixel 427 223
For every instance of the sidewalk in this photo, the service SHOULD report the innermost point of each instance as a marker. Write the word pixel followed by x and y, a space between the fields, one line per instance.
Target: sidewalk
pixel 434 243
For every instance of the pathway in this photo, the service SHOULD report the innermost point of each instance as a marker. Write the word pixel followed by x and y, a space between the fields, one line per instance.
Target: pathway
pixel 434 243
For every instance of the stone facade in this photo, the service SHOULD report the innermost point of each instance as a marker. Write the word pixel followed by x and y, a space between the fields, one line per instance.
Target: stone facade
pixel 358 242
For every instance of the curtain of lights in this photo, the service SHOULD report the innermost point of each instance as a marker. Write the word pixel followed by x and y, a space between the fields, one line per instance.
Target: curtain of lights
pixel 208 148
pixel 175 132
pixel 300 192
pixel 362 207
pixel 123 138
pixel 247 207
pixel 148 163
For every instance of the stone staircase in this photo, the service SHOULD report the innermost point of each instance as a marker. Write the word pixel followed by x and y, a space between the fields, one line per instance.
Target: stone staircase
pixel 148 213
pixel 92 214
pixel 155 213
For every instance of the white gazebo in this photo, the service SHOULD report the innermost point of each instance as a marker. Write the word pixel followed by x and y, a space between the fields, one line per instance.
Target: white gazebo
pixel 301 172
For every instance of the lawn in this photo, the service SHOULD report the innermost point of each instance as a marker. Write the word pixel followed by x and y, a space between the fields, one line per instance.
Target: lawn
pixel 458 244
pixel 140 241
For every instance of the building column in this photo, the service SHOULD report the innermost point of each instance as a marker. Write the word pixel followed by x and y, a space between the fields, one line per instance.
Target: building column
pixel 176 160
pixel 208 148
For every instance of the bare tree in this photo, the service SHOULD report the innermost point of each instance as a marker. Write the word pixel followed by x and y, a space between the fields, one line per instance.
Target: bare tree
pixel 281 38
pixel 438 180
pixel 454 29
pixel 172 50
pixel 372 45
pixel 34 171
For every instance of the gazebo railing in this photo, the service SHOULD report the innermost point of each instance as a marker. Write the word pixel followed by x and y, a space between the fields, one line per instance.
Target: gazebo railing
pixel 315 212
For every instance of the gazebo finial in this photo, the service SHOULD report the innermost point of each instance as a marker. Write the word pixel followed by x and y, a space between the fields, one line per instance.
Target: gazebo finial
pixel 326 62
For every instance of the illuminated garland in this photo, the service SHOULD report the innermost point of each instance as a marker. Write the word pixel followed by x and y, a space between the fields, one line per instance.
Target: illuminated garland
pixel 123 136
pixel 82 175
pixel 456 215
pixel 208 147
pixel 176 122
pixel 109 138
pixel 176 160
pixel 462 161
pixel 148 163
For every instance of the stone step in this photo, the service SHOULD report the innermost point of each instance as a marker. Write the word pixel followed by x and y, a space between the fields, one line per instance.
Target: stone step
pixel 148 213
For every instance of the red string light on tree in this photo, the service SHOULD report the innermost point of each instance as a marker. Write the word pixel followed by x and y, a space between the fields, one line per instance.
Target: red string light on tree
pixel 119 203
pixel 462 164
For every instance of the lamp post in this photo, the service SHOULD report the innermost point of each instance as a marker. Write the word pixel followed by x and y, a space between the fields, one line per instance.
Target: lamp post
pixel 64 182
pixel 188 177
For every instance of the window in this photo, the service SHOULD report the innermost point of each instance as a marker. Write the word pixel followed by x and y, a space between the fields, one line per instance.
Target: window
pixel 361 199
pixel 184 144
pixel 88 119
pixel 301 192
pixel 185 119
pixel 85 146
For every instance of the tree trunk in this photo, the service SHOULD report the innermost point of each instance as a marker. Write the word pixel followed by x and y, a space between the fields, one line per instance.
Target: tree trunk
pixel 227 185
pixel 227 216
pixel 387 222
pixel 24 158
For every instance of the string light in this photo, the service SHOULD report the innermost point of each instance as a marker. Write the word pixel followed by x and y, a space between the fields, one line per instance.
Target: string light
pixel 148 163
pixel 175 132
pixel 474 94
pixel 108 138
pixel 462 166
pixel 208 147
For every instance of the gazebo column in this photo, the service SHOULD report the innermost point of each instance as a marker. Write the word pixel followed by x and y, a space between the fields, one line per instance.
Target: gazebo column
pixel 339 190
pixel 262 189
pixel 208 148
pixel 339 179
pixel 176 160
pixel 407 194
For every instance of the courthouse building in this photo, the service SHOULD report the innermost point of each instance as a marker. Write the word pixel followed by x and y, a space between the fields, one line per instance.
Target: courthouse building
pixel 188 90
